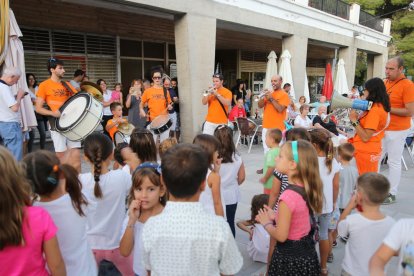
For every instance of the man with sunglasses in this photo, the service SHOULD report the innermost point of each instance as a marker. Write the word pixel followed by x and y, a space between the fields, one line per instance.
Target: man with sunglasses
pixel 159 102
pixel 218 104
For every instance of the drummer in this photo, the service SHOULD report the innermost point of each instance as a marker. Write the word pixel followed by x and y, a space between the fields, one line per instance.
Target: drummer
pixel 53 92
pixel 158 103
pixel 112 124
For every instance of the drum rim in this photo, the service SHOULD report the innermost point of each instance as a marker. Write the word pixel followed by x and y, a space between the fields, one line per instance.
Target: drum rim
pixel 68 101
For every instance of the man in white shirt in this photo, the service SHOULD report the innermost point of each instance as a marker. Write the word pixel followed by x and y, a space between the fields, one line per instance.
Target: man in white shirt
pixel 184 239
pixel 77 78
pixel 10 130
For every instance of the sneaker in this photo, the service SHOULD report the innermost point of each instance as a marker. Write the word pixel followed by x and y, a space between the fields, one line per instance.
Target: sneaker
pixel 334 244
pixel 330 258
pixel 389 200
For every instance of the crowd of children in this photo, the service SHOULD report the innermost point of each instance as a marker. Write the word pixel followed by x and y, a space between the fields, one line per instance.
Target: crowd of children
pixel 175 214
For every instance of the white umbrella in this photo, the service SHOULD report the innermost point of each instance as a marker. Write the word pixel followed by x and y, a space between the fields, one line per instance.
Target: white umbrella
pixel 285 71
pixel 306 89
pixel 15 57
pixel 271 70
pixel 341 84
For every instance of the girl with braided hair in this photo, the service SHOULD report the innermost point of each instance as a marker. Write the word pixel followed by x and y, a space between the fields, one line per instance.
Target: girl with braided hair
pixel 58 190
pixel 106 191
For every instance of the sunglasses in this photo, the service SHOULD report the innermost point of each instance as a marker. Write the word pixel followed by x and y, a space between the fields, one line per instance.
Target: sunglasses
pixel 156 78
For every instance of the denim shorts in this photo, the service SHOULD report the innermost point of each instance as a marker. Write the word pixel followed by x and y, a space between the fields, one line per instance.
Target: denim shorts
pixel 334 219
pixel 323 222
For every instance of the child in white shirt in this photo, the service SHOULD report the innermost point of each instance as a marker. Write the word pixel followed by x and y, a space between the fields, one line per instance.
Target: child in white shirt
pixel 367 228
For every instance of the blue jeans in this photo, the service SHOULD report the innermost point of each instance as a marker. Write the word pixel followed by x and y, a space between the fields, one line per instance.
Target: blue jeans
pixel 11 133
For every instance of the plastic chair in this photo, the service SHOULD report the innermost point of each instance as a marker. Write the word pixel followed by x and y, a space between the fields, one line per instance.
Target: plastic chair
pixel 248 129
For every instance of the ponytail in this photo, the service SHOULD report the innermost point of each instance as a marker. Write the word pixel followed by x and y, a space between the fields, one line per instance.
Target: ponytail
pixel 74 188
pixel 329 152
pixel 322 139
pixel 97 163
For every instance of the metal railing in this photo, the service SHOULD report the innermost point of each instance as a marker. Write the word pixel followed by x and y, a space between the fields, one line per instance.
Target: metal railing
pixel 334 7
pixel 370 21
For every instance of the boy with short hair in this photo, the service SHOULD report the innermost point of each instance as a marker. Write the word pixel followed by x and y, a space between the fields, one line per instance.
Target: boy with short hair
pixel 273 138
pixel 367 228
pixel 184 239
pixel 348 175
pixel 112 125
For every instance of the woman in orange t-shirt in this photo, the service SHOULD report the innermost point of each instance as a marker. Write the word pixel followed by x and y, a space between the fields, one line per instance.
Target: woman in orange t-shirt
pixel 370 126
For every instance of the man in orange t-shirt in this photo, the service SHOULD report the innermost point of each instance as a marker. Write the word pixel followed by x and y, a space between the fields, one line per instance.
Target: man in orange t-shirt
pixel 275 104
pixel 218 105
pixel 158 105
pixel 54 94
pixel 401 93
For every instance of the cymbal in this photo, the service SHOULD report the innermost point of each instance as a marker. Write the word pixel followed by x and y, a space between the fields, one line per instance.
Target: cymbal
pixel 93 89
pixel 126 128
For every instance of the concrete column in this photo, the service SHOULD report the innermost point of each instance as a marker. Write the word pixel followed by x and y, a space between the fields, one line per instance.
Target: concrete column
pixel 348 54
pixel 354 13
pixel 298 48
pixel 195 44
pixel 379 65
pixel 370 66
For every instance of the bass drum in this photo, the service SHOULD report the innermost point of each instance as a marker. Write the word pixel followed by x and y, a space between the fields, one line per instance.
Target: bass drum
pixel 81 114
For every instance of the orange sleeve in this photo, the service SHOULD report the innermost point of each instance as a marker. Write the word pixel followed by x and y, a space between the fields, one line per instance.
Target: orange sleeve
pixel 144 97
pixel 227 94
pixel 408 95
pixel 284 100
pixel 41 92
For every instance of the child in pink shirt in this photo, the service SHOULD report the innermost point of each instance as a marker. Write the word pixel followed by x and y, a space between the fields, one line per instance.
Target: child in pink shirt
pixel 27 234
pixel 116 95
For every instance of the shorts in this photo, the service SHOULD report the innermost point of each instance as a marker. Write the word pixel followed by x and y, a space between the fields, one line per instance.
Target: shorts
pixel 61 143
pixel 173 118
pixel 323 222
pixel 334 219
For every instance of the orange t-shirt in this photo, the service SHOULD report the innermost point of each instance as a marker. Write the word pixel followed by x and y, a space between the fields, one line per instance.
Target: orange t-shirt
pixel 215 112
pixel 54 93
pixel 155 99
pixel 113 129
pixel 401 92
pixel 271 117
pixel 375 119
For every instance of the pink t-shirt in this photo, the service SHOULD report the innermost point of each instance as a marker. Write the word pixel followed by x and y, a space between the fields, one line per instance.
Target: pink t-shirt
pixel 38 227
pixel 300 223
pixel 116 95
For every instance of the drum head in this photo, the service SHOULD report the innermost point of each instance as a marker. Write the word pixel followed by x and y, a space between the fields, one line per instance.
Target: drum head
pixel 73 110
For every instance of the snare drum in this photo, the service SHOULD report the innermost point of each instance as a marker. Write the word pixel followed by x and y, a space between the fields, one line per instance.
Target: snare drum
pixel 160 124
pixel 119 138
pixel 80 115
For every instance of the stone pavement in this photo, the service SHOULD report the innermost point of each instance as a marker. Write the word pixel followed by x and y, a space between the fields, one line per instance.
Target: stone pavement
pixel 254 160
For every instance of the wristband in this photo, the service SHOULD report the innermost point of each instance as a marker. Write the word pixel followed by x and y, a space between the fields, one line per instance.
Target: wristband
pixel 271 100
pixel 266 224
pixel 131 226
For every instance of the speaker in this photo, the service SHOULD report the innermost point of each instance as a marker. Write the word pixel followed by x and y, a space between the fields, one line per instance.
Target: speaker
pixel 339 101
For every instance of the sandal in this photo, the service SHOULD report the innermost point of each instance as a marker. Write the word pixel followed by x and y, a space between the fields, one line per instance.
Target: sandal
pixel 324 271
pixel 330 258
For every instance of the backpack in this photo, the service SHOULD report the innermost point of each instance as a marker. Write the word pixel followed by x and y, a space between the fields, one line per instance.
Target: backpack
pixel 314 231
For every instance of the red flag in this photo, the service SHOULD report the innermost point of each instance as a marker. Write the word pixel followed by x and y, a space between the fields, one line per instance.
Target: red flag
pixel 328 83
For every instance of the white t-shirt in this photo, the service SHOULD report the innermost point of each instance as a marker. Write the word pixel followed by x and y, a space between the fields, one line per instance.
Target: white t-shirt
pixel 300 122
pixel 73 244
pixel 7 100
pixel 327 180
pixel 105 221
pixel 258 247
pixel 138 266
pixel 401 239
pixel 206 198
pixel 365 236
pixel 229 184
pixel 106 98
pixel 75 84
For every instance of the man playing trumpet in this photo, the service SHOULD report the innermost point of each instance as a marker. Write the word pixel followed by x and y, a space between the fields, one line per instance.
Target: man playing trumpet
pixel 218 104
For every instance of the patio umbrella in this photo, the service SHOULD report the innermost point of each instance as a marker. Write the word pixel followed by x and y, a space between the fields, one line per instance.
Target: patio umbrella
pixel 271 70
pixel 285 71
pixel 14 57
pixel 306 89
pixel 341 84
pixel 327 84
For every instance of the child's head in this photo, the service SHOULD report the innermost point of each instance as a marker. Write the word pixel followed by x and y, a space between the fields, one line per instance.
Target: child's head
pixel 184 169
pixel 43 170
pixel 147 186
pixel 142 143
pixel 118 153
pixel 224 135
pixel 97 149
pixel 118 86
pixel 258 201
pixel 116 109
pixel 299 160
pixel 297 133
pixel 273 137
pixel 14 196
pixel 321 140
pixel 346 152
pixel 210 144
pixel 167 144
pixel 374 188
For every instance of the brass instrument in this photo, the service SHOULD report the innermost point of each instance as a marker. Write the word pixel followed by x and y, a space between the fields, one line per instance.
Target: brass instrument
pixel 209 91
pixel 260 96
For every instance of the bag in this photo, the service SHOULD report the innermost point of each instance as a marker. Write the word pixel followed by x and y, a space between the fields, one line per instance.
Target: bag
pixel 314 231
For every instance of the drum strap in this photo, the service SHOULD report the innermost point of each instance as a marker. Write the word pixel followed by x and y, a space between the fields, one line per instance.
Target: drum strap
pixel 71 93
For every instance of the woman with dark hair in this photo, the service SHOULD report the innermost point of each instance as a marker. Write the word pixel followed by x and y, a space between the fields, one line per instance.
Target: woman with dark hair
pixel 41 119
pixel 107 100
pixel 239 92
pixel 369 126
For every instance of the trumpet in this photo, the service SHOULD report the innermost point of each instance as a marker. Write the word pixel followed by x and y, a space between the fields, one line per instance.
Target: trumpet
pixel 260 96
pixel 209 91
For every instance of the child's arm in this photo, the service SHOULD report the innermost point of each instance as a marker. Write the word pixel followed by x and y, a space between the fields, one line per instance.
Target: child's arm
pixel 54 258
pixel 335 183
pixel 267 175
pixel 241 175
pixel 380 259
pixel 274 192
pixel 127 242
pixel 244 225
pixel 111 124
pixel 214 179
pixel 266 218
pixel 348 209
pixel 121 99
